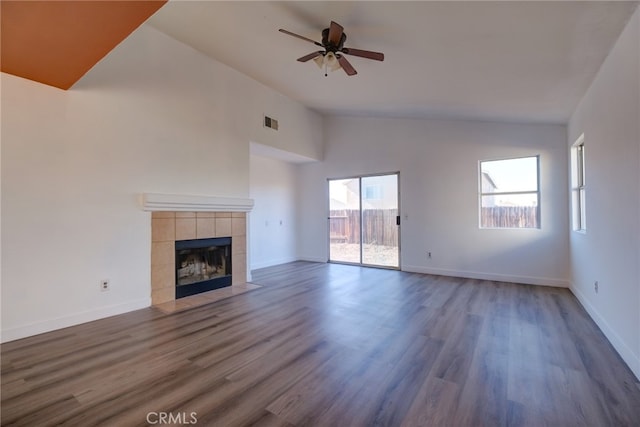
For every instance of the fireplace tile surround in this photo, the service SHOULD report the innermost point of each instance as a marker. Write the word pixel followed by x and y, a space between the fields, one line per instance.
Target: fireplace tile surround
pixel 169 226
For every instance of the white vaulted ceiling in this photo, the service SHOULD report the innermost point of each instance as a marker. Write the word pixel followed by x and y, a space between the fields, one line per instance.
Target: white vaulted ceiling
pixel 513 61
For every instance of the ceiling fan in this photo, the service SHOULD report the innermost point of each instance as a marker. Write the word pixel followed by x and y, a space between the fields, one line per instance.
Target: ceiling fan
pixel 332 57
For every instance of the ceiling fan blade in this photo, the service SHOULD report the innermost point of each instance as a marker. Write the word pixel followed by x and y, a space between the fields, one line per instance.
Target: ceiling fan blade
pixel 335 33
pixel 310 56
pixel 378 56
pixel 300 37
pixel 346 65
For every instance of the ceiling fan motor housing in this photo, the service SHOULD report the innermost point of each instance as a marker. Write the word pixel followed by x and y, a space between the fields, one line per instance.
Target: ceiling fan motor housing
pixel 328 45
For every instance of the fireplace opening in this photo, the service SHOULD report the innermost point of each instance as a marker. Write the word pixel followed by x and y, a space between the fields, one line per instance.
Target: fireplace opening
pixel 202 265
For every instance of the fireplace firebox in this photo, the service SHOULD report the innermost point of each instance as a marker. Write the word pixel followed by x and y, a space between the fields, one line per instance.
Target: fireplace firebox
pixel 202 265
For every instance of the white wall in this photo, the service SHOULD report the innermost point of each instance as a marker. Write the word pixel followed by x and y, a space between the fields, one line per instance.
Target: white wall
pixel 272 222
pixel 152 116
pixel 609 251
pixel 438 164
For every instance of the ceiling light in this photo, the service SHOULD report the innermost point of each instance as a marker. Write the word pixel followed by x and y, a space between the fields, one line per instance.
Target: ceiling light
pixel 327 61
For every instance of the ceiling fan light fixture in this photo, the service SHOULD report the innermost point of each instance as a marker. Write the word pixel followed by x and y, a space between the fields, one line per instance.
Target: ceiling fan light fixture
pixel 327 60
pixel 332 61
pixel 319 60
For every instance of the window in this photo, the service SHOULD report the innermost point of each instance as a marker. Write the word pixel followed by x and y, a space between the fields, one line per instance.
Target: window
pixel 578 185
pixel 510 193
pixel 372 192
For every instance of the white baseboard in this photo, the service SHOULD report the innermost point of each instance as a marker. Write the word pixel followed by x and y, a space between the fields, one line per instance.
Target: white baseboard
pixel 541 281
pixel 632 360
pixel 311 259
pixel 36 328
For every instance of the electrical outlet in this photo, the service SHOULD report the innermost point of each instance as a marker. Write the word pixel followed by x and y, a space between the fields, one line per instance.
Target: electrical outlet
pixel 595 286
pixel 104 285
pixel 429 255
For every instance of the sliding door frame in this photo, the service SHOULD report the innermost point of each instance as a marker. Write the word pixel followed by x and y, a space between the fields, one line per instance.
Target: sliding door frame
pixel 328 234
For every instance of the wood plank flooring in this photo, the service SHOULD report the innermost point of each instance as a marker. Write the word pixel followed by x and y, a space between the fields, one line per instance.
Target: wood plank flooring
pixel 331 345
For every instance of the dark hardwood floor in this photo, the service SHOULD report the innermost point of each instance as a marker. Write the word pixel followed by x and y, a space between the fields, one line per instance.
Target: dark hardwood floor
pixel 331 345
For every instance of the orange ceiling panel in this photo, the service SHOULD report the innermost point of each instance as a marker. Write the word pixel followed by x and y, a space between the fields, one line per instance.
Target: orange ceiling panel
pixel 57 42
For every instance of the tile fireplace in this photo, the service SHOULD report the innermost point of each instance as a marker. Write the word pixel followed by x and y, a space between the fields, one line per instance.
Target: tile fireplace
pixel 212 230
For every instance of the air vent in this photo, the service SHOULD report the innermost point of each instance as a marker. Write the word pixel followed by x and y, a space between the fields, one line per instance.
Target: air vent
pixel 270 123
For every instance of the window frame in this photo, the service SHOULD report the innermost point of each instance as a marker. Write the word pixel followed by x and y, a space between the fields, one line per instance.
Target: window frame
pixel 537 192
pixel 578 185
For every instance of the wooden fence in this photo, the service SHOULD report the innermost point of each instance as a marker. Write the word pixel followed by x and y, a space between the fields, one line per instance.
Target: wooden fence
pixel 379 226
pixel 509 217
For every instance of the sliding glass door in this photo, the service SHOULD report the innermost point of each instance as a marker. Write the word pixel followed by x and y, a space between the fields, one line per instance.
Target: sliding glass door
pixel 363 220
pixel 344 220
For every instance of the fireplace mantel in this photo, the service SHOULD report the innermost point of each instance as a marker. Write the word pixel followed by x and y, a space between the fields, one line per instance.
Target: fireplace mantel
pixel 193 203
